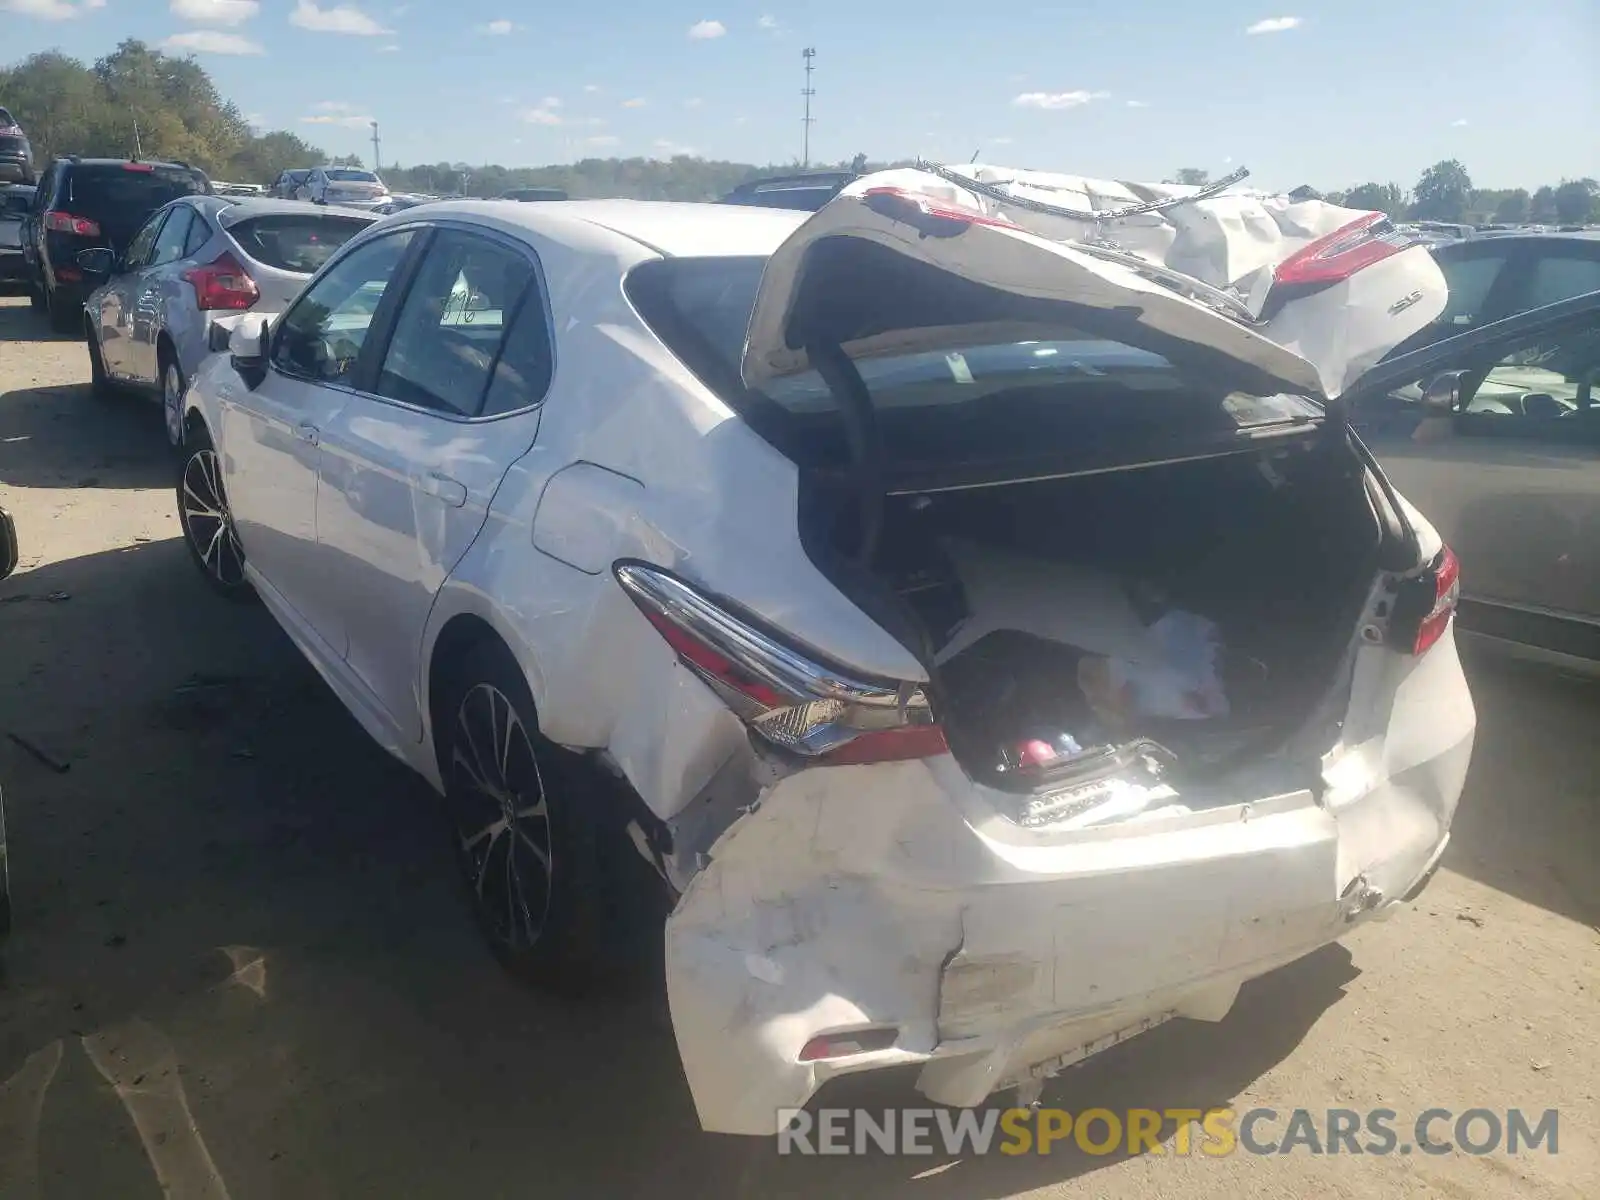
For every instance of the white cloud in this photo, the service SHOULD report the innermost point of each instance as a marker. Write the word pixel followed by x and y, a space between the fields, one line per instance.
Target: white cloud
pixel 337 18
pixel 1459 123
pixel 1056 100
pixel 1138 104
pixel 212 41
pixel 391 48
pixel 636 102
pixel 703 30
pixel 545 114
pixel 1001 141
pixel 337 112
pixel 767 22
pixel 591 88
pixel 497 28
pixel 216 12
pixel 1274 25
pixel 693 102
pixel 255 120
pixel 47 10
pixel 602 139
pixel 671 148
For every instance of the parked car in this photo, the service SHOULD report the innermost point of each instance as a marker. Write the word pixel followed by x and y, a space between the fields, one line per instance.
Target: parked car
pixel 15 201
pixel 399 202
pixel 351 187
pixel 199 256
pixel 83 203
pixel 16 154
pixel 806 192
pixel 1505 459
pixel 287 185
pixel 710 584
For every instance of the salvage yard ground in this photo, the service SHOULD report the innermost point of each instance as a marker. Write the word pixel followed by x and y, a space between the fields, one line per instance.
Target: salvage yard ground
pixel 240 965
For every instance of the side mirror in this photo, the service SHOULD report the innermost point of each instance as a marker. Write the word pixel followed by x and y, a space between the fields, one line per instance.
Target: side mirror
pixel 248 345
pixel 8 544
pixel 1442 394
pixel 97 260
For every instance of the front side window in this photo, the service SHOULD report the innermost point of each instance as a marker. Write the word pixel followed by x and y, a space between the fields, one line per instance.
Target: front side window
pixel 1557 278
pixel 172 238
pixel 448 334
pixel 320 338
pixel 139 249
pixel 1543 388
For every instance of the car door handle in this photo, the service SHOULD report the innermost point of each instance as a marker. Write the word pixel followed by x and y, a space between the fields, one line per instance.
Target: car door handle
pixel 307 432
pixel 451 491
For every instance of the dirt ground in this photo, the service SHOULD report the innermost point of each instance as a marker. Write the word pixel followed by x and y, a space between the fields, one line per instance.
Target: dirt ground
pixel 240 966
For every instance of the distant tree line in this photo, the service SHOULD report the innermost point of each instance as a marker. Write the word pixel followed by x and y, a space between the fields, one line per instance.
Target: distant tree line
pixel 1445 193
pixel 139 100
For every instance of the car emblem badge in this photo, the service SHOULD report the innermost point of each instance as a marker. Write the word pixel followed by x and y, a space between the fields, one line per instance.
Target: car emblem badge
pixel 1405 302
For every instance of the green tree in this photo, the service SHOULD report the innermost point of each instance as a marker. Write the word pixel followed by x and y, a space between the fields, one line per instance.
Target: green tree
pixel 262 159
pixel 1575 201
pixel 1542 207
pixel 1378 197
pixel 858 164
pixel 1512 208
pixel 1443 192
pixel 1192 176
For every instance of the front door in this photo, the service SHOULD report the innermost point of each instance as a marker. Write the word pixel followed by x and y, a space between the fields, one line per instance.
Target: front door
pixel 271 434
pixel 410 466
pixel 148 290
pixel 115 318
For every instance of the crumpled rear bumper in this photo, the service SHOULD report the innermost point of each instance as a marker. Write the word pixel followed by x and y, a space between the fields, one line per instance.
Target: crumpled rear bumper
pixel 892 896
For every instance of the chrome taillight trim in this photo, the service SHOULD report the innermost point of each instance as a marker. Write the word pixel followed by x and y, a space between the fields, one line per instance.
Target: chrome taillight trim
pixel 793 675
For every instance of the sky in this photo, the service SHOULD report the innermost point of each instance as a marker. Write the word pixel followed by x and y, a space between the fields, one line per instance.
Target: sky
pixel 1326 92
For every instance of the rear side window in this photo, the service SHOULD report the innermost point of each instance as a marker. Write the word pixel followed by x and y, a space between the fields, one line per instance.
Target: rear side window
pixel 291 242
pixel 91 190
pixel 1469 280
pixel 1561 278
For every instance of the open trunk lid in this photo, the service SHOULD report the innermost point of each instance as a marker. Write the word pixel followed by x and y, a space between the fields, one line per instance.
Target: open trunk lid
pixel 1166 267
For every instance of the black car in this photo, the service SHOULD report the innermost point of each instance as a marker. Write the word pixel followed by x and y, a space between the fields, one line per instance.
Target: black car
pixel 534 195
pixel 83 203
pixel 806 192
pixel 16 155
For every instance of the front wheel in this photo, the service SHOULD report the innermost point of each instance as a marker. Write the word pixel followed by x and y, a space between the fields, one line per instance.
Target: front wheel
pixel 172 388
pixel 208 522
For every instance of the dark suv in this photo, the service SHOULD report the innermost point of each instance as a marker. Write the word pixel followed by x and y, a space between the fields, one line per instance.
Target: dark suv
pixel 16 155
pixel 87 202
pixel 806 192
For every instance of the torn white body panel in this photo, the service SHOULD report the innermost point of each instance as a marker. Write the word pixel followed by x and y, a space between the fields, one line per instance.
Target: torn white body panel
pixel 894 898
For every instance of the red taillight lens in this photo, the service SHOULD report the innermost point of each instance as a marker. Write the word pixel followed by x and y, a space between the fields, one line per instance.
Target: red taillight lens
pixel 138 166
pixel 1426 604
pixel 61 222
pixel 928 213
pixel 1343 252
pixel 846 1045
pixel 793 700
pixel 223 284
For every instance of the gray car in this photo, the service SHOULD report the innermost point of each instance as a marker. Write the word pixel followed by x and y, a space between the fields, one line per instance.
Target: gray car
pixel 15 201
pixel 197 258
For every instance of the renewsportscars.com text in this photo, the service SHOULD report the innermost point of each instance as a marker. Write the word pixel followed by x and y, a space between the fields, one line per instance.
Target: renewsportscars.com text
pixel 1214 1133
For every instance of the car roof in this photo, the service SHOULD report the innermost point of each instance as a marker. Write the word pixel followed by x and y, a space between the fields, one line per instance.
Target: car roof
pixel 677 229
pixel 242 209
pixel 74 161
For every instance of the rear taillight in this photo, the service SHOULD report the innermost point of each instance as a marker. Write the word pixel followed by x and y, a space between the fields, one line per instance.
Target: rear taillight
pixel 790 698
pixel 938 218
pixel 1426 602
pixel 1367 240
pixel 222 284
pixel 60 222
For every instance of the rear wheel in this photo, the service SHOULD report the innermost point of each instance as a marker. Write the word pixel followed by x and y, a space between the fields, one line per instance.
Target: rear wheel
pixel 172 388
pixel 207 521
pixel 535 837
pixel 35 296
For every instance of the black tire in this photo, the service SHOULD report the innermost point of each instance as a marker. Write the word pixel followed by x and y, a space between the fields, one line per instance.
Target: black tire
pixel 533 822
pixel 173 384
pixel 65 317
pixel 207 523
pixel 35 296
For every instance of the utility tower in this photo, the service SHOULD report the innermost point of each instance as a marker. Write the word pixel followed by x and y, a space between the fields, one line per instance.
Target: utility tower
pixel 377 162
pixel 809 54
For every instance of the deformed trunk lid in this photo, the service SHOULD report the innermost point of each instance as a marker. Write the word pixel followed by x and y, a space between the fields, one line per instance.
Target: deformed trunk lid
pixel 1009 271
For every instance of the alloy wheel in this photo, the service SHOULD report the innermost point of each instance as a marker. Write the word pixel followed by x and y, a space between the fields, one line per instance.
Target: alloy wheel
pixel 207 522
pixel 502 820
pixel 172 403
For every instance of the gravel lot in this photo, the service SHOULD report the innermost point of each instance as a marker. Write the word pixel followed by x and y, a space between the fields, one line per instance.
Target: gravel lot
pixel 240 966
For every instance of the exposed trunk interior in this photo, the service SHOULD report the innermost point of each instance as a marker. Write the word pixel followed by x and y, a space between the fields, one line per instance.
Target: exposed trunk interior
pixel 1020 595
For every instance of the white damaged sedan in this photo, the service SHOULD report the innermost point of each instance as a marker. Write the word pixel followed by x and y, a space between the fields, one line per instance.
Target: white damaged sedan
pixel 995 638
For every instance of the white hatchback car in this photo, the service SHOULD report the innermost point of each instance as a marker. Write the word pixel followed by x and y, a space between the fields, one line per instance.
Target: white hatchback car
pixel 996 653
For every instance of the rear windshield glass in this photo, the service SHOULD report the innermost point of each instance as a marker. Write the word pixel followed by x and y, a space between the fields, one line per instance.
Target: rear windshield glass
pixel 16 204
pixel 993 399
pixel 353 176
pixel 292 242
pixel 96 189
